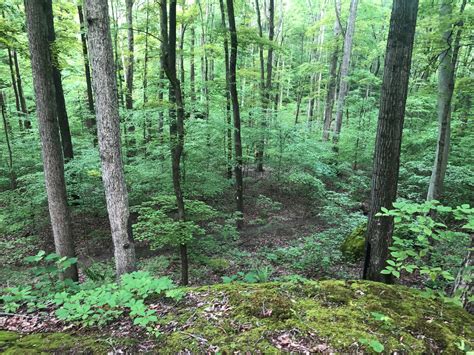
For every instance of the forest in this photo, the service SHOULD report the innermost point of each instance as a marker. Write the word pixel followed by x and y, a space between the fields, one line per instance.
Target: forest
pixel 228 176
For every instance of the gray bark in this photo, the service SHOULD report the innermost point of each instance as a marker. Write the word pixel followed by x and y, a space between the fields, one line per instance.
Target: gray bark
pixel 344 78
pixel 36 20
pixel 331 87
pixel 108 128
pixel 389 136
pixel 130 59
pixel 446 81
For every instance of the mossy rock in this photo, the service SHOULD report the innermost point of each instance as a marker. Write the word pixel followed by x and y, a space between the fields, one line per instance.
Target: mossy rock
pixel 315 316
pixel 58 343
pixel 353 246
pixel 325 316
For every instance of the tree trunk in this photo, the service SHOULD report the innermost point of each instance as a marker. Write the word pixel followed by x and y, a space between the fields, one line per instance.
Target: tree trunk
pixel 130 59
pixel 227 93
pixel 37 25
pixel 15 89
pixel 87 71
pixel 236 112
pixel 118 65
pixel 108 129
pixel 446 81
pixel 61 111
pixel 177 114
pixel 331 87
pixel 389 136
pixel 344 77
pixel 192 69
pixel 11 172
pixel 24 109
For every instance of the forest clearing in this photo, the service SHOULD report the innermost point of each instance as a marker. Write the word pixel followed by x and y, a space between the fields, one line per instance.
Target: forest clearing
pixel 236 176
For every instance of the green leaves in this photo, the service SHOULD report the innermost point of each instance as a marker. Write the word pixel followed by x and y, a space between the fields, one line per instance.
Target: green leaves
pixel 374 344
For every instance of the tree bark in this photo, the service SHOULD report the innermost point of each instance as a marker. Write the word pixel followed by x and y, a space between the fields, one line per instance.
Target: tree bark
pixel 344 77
pixel 130 59
pixel 61 111
pixel 108 129
pixel 37 25
pixel 389 136
pixel 87 71
pixel 177 114
pixel 11 172
pixel 236 112
pixel 227 93
pixel 15 89
pixel 446 80
pixel 331 86
pixel 192 69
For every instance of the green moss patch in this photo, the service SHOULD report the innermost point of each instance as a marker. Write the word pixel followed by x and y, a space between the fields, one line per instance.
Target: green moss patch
pixel 353 246
pixel 325 316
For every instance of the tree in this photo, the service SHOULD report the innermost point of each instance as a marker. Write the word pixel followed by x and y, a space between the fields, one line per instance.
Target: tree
pixel 130 59
pixel 239 186
pixel 389 136
pixel 87 71
pixel 11 172
pixel 108 130
pixel 344 79
pixel 41 64
pixel 177 114
pixel 61 111
pixel 331 86
pixel 446 80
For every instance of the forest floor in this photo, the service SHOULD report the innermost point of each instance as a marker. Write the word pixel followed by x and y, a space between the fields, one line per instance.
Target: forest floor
pixel 280 223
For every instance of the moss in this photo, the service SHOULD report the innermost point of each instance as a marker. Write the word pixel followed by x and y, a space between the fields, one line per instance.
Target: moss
pixel 218 265
pixel 45 343
pixel 353 246
pixel 251 318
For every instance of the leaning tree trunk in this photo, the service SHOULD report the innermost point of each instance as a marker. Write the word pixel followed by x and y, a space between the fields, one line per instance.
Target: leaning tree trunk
pixel 15 89
pixel 331 86
pixel 236 112
pixel 61 111
pixel 389 136
pixel 344 78
pixel 36 19
pixel 21 96
pixel 446 79
pixel 108 129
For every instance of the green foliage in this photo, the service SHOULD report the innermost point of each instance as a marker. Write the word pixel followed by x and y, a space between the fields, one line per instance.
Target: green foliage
pixel 46 269
pixel 99 305
pixel 255 276
pixel 158 225
pixel 374 344
pixel 421 236
pixel 353 247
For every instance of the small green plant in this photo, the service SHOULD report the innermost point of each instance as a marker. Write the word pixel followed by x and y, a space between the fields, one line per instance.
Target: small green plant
pixel 374 344
pixel 254 276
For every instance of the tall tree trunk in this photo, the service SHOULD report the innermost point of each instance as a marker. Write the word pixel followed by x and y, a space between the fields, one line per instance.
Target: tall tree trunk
pixel 21 96
pixel 192 69
pixel 236 112
pixel 177 114
pixel 37 25
pixel 15 89
pixel 227 93
pixel 61 111
pixel 11 172
pixel 117 61
pixel 146 125
pixel 161 96
pixel 108 130
pixel 87 71
pixel 446 80
pixel 130 59
pixel 331 86
pixel 389 136
pixel 344 77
